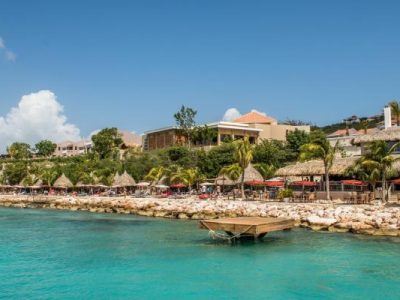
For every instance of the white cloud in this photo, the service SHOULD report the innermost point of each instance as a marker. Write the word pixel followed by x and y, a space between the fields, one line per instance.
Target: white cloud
pixel 260 112
pixel 38 116
pixel 231 114
pixel 8 54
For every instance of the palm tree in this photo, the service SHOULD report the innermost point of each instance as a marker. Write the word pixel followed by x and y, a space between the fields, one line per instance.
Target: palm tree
pixel 395 108
pixel 155 174
pixel 48 176
pixel 380 157
pixel 243 155
pixel 186 176
pixel 365 173
pixel 233 172
pixel 267 171
pixel 321 150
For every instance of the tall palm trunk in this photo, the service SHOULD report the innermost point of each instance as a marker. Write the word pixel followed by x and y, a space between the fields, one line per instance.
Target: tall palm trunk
pixel 383 186
pixel 327 185
pixel 242 185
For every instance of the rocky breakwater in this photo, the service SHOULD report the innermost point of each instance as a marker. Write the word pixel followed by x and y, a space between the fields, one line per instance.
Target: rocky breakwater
pixel 363 219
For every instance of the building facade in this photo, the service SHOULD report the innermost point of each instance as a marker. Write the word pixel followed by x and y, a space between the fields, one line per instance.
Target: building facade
pixel 223 131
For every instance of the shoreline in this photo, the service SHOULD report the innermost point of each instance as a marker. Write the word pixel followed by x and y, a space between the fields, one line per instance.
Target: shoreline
pixel 378 220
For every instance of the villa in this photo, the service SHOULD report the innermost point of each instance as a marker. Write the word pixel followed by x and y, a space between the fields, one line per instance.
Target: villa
pixel 254 125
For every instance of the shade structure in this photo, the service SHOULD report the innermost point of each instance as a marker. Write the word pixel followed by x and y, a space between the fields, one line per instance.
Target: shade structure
pixel 161 186
pixel 125 180
pixel 316 167
pixel 206 184
pixel 115 182
pixel 255 182
pixel 274 183
pixel 304 183
pixel 63 182
pixel 178 185
pixel 143 184
pixel 354 182
pixel 38 185
pixel 396 181
pixel 224 180
pixel 250 174
pixel 80 184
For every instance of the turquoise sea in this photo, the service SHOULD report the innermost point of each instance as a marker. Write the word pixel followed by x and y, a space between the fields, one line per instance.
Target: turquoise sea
pixel 77 255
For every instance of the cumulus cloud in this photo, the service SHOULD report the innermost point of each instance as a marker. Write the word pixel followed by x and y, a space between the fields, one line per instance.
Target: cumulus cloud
pixel 257 111
pixel 37 116
pixel 231 114
pixel 8 54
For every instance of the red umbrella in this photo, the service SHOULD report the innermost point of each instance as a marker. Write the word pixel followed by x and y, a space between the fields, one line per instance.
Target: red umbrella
pixel 353 182
pixel 305 183
pixel 255 182
pixel 178 185
pixel 274 183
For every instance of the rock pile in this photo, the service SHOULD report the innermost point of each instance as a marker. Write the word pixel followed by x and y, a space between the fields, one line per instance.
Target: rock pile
pixel 364 219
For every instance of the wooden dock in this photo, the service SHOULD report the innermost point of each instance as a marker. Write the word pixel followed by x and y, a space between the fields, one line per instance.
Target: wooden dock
pixel 255 227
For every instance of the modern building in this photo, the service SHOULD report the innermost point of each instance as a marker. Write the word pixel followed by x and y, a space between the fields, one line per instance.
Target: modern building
pixel 69 148
pixel 172 136
pixel 270 128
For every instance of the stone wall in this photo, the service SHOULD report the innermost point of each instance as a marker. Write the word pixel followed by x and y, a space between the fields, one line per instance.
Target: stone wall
pixel 363 219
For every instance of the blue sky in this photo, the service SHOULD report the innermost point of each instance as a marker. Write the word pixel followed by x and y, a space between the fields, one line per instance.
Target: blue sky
pixel 132 64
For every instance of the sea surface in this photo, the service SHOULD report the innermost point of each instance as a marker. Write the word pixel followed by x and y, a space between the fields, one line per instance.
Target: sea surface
pixel 77 255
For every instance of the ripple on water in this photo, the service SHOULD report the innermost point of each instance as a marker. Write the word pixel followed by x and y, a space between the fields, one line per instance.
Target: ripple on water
pixel 60 254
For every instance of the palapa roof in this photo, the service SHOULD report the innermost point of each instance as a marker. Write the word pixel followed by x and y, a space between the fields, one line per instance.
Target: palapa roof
pixel 63 182
pixel 250 174
pixel 316 167
pixel 38 184
pixel 389 135
pixel 224 180
pixel 124 180
pixel 115 180
pixel 255 117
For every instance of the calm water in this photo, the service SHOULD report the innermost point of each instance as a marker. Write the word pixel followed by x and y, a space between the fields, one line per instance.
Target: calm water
pixel 75 255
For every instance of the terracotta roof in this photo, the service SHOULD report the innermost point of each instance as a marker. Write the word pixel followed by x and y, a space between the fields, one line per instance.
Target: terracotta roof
pixel 343 132
pixel 255 117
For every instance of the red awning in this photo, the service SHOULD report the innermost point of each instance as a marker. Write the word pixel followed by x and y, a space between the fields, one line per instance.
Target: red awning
pixel 396 181
pixel 178 185
pixel 354 182
pixel 304 183
pixel 265 183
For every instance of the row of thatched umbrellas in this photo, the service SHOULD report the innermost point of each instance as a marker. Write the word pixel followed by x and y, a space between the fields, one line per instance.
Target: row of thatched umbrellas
pixel 251 176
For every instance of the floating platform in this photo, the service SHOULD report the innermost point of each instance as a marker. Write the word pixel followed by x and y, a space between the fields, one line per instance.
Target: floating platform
pixel 255 227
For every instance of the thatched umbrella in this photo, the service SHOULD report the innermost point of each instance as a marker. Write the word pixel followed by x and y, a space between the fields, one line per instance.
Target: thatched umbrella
pixel 224 180
pixel 115 182
pixel 250 174
pixel 38 184
pixel 63 182
pixel 125 180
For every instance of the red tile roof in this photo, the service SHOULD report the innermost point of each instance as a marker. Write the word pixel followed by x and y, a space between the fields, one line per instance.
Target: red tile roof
pixel 255 117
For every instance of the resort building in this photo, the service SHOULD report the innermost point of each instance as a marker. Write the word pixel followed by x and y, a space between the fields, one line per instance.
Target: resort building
pixel 172 136
pixel 69 148
pixel 346 137
pixel 270 128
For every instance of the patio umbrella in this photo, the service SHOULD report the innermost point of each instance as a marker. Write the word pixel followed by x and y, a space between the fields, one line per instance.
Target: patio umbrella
pixel 304 183
pixel 354 182
pixel 206 184
pixel 178 185
pixel 161 186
